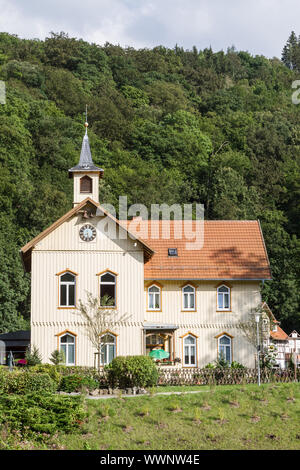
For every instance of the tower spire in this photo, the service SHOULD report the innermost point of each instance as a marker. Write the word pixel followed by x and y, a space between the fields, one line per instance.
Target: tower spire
pixel 86 174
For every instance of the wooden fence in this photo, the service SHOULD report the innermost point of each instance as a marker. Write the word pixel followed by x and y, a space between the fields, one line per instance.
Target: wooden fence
pixel 182 376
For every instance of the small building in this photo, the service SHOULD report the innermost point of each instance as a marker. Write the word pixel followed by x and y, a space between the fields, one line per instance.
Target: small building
pixel 16 342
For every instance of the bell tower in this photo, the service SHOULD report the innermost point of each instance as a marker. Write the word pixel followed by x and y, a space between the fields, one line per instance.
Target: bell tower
pixel 85 175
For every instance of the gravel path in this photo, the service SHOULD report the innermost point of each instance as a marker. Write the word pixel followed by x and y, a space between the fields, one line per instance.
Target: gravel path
pixel 105 397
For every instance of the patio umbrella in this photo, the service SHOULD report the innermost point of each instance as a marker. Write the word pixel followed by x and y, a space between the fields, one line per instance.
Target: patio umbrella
pixel 159 354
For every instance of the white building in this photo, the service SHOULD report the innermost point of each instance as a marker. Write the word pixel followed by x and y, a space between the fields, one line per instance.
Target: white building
pixel 188 301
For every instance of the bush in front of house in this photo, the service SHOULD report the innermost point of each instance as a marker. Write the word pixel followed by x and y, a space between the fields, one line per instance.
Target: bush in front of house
pixel 76 383
pixel 20 382
pixel 38 413
pixel 50 369
pixel 33 356
pixel 132 371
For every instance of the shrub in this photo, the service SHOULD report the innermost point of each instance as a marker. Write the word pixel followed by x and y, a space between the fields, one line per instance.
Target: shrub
pixel 50 369
pixel 22 382
pixel 237 365
pixel 41 413
pixel 57 357
pixel 75 383
pixel 132 371
pixel 33 356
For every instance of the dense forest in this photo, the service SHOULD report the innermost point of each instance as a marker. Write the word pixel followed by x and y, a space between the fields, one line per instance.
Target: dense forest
pixel 167 125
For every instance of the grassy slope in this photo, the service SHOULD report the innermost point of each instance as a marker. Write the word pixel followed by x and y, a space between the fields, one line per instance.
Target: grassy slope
pixel 223 426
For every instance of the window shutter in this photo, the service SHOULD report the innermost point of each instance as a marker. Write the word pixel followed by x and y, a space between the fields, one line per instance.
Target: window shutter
pixel 86 184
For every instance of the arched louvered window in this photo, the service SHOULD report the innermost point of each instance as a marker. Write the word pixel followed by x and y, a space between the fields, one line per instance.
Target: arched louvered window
pixel 86 184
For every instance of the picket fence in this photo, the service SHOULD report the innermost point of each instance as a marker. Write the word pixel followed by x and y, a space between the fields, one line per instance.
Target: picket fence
pixel 183 376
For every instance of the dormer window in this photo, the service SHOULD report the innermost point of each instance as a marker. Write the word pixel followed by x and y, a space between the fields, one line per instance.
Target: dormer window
pixel 172 252
pixel 86 184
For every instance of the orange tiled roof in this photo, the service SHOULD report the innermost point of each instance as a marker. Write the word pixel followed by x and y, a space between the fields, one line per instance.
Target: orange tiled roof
pixel 231 250
pixel 279 334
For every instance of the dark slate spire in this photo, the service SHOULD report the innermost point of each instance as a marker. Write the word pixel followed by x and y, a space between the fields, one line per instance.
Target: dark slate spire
pixel 85 161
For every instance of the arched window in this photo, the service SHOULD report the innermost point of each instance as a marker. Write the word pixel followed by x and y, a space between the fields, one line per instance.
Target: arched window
pixel 225 348
pixel 189 351
pixel 86 184
pixel 67 290
pixel 223 295
pixel 67 346
pixel 108 348
pixel 154 298
pixel 107 290
pixel 188 297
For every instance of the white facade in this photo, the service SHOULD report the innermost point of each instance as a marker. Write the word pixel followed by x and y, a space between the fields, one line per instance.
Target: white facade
pixel 193 320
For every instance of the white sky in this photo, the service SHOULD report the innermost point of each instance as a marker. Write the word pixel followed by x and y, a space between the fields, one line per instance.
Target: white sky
pixel 258 26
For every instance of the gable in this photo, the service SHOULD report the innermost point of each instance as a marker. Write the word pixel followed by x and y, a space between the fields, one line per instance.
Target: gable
pixel 64 234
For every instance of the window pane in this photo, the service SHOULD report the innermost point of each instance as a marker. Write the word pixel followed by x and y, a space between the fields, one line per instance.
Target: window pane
pixel 72 294
pixel 193 355
pixel 186 355
pixel 111 352
pixel 226 300
pixel 67 278
pixel 151 300
pixel 228 358
pixel 220 301
pixel 107 339
pixel 223 289
pixel 107 278
pixel 71 354
pixel 224 340
pixel 189 340
pixel 109 291
pixel 154 289
pixel 185 300
pixel 188 289
pixel 63 295
pixel 222 352
pixel 192 301
pixel 64 350
pixel 157 301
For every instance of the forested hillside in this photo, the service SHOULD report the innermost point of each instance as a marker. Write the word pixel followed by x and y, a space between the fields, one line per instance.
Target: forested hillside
pixel 167 125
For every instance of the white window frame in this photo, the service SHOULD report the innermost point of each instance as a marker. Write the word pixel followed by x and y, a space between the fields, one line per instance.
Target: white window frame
pixel 67 284
pixel 190 346
pixel 223 298
pixel 155 294
pixel 68 363
pixel 110 284
pixel 225 346
pixel 189 295
pixel 106 346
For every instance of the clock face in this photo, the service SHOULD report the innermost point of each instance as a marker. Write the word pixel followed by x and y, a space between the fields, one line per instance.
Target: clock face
pixel 87 233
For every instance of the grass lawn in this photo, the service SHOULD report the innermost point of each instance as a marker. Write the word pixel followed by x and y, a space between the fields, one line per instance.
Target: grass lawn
pixel 223 417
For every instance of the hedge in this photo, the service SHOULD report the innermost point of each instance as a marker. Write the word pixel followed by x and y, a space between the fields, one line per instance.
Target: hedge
pixel 132 371
pixel 41 413
pixel 22 382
